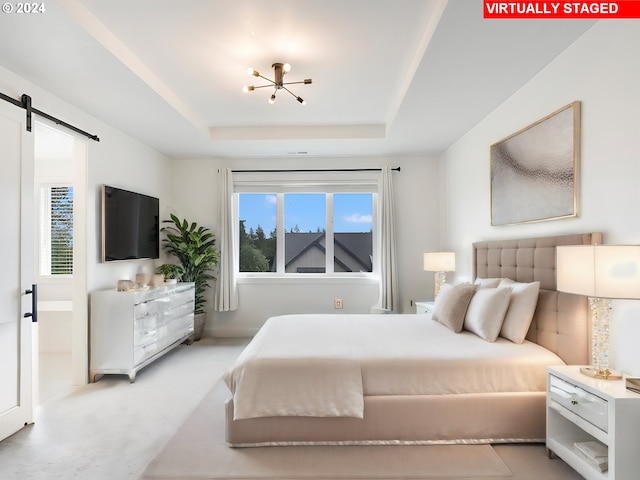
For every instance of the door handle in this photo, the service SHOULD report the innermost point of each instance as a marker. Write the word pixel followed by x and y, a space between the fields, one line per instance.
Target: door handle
pixel 33 291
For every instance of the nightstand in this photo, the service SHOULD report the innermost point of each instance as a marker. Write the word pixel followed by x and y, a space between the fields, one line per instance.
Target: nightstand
pixel 582 409
pixel 424 307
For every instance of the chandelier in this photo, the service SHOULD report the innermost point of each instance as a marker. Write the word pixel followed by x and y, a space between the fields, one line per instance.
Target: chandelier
pixel 279 71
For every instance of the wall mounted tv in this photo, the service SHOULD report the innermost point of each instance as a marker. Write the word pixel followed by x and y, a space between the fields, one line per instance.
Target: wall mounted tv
pixel 130 225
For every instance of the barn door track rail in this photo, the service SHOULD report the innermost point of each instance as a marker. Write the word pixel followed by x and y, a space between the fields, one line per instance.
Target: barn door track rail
pixel 25 102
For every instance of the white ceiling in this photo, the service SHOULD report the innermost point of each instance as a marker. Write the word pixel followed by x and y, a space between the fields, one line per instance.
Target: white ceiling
pixel 390 77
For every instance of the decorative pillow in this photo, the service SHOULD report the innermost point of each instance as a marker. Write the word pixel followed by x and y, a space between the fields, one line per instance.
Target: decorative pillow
pixel 486 312
pixel 451 305
pixel 524 299
pixel 487 282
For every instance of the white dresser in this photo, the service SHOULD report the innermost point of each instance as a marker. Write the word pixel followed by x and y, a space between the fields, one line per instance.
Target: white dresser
pixel 131 329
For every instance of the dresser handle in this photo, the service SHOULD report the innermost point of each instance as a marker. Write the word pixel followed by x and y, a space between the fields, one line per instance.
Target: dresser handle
pixel 574 401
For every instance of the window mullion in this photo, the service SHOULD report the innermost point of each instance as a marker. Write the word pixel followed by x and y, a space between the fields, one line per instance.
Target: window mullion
pixel 329 244
pixel 375 222
pixel 280 233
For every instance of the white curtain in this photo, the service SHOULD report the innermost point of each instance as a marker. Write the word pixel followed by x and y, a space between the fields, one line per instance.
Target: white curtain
pixel 388 298
pixel 227 289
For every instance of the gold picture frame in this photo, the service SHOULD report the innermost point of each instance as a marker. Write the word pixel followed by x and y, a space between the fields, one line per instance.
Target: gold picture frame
pixel 534 172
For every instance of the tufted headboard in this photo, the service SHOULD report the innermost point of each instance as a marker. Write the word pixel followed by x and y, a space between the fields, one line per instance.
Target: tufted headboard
pixel 561 322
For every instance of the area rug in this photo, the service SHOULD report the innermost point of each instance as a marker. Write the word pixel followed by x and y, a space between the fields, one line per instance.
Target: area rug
pixel 198 451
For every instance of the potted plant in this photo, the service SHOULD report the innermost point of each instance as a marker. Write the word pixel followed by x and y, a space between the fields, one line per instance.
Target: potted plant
pixel 171 272
pixel 194 248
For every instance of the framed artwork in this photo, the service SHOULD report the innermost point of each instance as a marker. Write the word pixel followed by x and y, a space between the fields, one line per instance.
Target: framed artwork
pixel 534 171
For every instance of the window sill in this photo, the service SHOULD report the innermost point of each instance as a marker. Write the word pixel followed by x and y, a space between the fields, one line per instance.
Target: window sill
pixel 55 280
pixel 301 278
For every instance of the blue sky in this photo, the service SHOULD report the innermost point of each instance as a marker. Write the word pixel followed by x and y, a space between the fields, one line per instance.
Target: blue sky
pixel 352 212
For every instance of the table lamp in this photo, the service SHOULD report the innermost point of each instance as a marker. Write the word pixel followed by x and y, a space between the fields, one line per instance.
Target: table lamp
pixel 439 262
pixel 602 272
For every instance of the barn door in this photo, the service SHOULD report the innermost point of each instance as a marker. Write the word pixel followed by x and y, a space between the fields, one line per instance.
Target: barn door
pixel 16 266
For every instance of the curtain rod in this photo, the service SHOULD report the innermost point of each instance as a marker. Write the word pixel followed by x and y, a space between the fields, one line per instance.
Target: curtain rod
pixel 25 102
pixel 396 169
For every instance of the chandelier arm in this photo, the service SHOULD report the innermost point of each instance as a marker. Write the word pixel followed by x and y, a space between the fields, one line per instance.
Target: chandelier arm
pixel 265 78
pixel 292 94
pixel 293 83
pixel 262 86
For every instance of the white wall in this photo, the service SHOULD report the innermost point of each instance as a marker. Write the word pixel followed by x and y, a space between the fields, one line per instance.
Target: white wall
pixel 416 193
pixel 116 160
pixel 602 70
pixel 122 162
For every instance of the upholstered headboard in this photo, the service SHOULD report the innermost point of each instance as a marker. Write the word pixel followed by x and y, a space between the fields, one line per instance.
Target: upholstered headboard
pixel 561 322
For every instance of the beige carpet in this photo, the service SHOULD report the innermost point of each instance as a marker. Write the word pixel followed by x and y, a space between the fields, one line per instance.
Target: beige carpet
pixel 198 450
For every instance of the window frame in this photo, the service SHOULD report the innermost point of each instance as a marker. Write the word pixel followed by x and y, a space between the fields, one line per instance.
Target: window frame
pixel 327 183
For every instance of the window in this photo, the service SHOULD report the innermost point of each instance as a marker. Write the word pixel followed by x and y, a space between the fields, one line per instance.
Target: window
pixel 56 230
pixel 257 232
pixel 353 232
pixel 305 232
pixel 306 226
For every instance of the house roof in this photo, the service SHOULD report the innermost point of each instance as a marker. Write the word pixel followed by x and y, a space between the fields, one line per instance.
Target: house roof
pixel 356 246
pixel 298 243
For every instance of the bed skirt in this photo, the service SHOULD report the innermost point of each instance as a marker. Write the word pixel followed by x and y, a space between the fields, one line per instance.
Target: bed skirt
pixel 404 419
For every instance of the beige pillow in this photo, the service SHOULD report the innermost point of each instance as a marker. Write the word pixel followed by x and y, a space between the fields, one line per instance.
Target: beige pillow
pixel 451 305
pixel 487 282
pixel 486 312
pixel 524 299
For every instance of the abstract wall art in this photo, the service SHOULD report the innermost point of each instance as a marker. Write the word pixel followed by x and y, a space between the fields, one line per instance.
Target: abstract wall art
pixel 534 171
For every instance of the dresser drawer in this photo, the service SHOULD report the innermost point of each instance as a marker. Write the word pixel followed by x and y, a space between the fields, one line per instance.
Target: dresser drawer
pixel 585 404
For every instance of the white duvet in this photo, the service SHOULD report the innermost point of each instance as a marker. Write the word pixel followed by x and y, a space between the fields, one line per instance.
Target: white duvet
pixel 323 365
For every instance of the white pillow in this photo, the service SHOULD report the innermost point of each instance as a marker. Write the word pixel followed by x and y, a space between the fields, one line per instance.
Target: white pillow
pixel 486 312
pixel 524 299
pixel 487 282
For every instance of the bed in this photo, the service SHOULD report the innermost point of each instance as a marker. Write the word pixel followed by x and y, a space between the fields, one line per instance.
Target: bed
pixel 410 379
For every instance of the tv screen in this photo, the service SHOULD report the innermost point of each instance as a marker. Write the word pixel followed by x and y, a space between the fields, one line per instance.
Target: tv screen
pixel 130 225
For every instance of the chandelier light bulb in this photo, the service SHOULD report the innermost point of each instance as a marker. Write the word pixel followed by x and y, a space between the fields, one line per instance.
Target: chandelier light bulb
pixel 272 99
pixel 286 67
pixel 248 88
pixel 253 72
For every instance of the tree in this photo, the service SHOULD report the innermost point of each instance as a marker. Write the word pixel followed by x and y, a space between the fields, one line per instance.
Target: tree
pixel 257 253
pixel 253 260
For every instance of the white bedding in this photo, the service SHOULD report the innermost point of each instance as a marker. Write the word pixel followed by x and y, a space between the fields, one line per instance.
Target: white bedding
pixel 323 365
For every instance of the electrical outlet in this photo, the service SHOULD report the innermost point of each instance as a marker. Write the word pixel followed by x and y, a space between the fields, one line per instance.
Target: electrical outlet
pixel 337 303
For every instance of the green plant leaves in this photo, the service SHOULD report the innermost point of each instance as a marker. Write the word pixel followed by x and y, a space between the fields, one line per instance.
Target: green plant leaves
pixel 194 248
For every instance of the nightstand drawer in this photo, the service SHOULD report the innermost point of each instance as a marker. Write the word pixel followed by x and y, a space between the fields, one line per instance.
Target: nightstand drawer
pixel 586 405
pixel 424 307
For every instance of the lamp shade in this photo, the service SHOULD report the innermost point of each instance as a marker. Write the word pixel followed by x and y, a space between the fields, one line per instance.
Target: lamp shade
pixel 440 262
pixel 602 271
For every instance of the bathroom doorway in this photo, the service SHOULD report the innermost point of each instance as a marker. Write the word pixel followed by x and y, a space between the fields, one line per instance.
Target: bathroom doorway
pixel 59 254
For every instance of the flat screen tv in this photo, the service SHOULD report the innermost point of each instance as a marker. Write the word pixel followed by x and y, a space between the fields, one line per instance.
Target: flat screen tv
pixel 130 225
